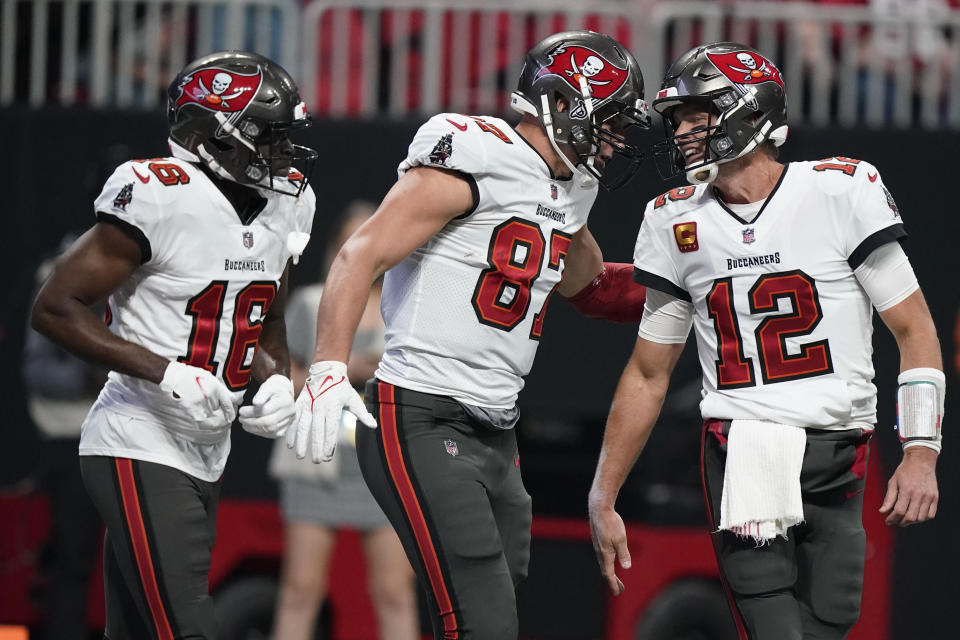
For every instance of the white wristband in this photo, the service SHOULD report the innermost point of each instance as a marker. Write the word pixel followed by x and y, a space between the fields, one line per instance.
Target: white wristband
pixel 920 402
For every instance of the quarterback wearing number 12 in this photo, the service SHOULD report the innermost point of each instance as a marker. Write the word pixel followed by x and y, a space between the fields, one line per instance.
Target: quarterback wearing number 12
pixel 778 269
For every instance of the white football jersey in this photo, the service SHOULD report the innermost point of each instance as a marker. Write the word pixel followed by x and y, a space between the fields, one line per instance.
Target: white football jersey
pixel 783 327
pixel 200 295
pixel 464 311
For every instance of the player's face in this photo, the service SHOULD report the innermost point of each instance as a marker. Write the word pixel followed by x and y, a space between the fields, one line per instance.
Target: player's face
pixel 616 125
pixel 279 150
pixel 691 122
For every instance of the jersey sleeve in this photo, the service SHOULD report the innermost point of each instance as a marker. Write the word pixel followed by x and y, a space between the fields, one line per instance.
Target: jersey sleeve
pixel 666 320
pixel 446 142
pixel 131 204
pixel 653 266
pixel 874 218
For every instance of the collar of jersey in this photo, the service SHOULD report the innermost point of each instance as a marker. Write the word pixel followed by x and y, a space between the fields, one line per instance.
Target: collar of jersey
pixel 545 163
pixel 773 192
pixel 246 202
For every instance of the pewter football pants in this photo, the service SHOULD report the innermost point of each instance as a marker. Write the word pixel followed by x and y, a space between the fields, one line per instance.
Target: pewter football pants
pixel 161 524
pixel 453 492
pixel 807 587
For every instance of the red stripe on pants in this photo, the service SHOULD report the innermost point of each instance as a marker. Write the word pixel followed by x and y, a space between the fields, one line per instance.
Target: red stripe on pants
pixel 141 549
pixel 712 429
pixel 411 506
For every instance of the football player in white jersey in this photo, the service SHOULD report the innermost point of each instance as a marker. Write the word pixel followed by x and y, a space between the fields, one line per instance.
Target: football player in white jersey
pixel 778 268
pixel 473 239
pixel 191 253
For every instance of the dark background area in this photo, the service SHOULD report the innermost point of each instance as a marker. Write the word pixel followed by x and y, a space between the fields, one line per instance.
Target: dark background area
pixel 49 156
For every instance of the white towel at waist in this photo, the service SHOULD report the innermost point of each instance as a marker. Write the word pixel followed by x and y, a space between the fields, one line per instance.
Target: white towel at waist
pixel 761 485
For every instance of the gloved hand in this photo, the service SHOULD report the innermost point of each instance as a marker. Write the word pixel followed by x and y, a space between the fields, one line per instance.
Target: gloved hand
pixel 201 396
pixel 325 396
pixel 272 409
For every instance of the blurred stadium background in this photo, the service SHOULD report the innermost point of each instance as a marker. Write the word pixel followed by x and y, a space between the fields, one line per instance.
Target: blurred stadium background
pixel 872 79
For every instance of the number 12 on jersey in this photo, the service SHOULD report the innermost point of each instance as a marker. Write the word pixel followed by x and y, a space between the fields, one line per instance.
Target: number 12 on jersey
pixel 734 369
pixel 516 253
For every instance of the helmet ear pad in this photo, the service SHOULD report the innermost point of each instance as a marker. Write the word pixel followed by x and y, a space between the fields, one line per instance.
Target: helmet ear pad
pixel 572 123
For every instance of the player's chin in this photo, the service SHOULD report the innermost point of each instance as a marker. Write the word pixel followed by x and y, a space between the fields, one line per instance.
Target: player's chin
pixel 281 168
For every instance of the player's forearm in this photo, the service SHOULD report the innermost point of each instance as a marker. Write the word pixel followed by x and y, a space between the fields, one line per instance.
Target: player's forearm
pixel 69 323
pixel 345 295
pixel 612 295
pixel 912 327
pixel 635 408
pixel 272 355
pixel 919 347
pixel 582 264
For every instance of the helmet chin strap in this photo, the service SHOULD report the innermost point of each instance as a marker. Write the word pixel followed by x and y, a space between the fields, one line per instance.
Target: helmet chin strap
pixel 587 179
pixel 703 175
pixel 215 166
pixel 204 156
pixel 587 94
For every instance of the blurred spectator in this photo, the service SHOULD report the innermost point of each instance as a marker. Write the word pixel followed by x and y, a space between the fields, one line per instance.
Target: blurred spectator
pixel 903 33
pixel 906 33
pixel 251 21
pixel 60 389
pixel 318 499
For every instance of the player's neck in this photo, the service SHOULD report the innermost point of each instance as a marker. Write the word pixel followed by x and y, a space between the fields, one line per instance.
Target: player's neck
pixel 748 179
pixel 246 201
pixel 532 131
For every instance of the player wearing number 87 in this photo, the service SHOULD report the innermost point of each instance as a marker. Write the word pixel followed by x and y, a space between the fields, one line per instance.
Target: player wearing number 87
pixel 192 254
pixel 778 269
pixel 485 222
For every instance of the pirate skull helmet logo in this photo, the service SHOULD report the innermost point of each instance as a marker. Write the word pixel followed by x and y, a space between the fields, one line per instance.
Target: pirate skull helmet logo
pixel 747 60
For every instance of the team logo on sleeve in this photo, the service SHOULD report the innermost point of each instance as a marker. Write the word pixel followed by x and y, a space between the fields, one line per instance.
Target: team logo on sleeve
pixel 685 233
pixel 890 202
pixel 745 68
pixel 573 63
pixel 442 150
pixel 124 197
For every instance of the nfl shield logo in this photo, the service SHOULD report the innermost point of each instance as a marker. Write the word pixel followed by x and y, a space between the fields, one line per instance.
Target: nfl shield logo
pixel 553 191
pixel 248 239
pixel 451 447
pixel 748 236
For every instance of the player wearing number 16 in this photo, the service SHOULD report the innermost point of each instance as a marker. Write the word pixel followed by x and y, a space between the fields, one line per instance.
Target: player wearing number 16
pixel 778 269
pixel 191 253
pixel 485 222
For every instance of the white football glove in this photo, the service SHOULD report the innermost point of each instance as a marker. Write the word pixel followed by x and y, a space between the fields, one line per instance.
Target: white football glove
pixel 272 409
pixel 325 396
pixel 204 398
